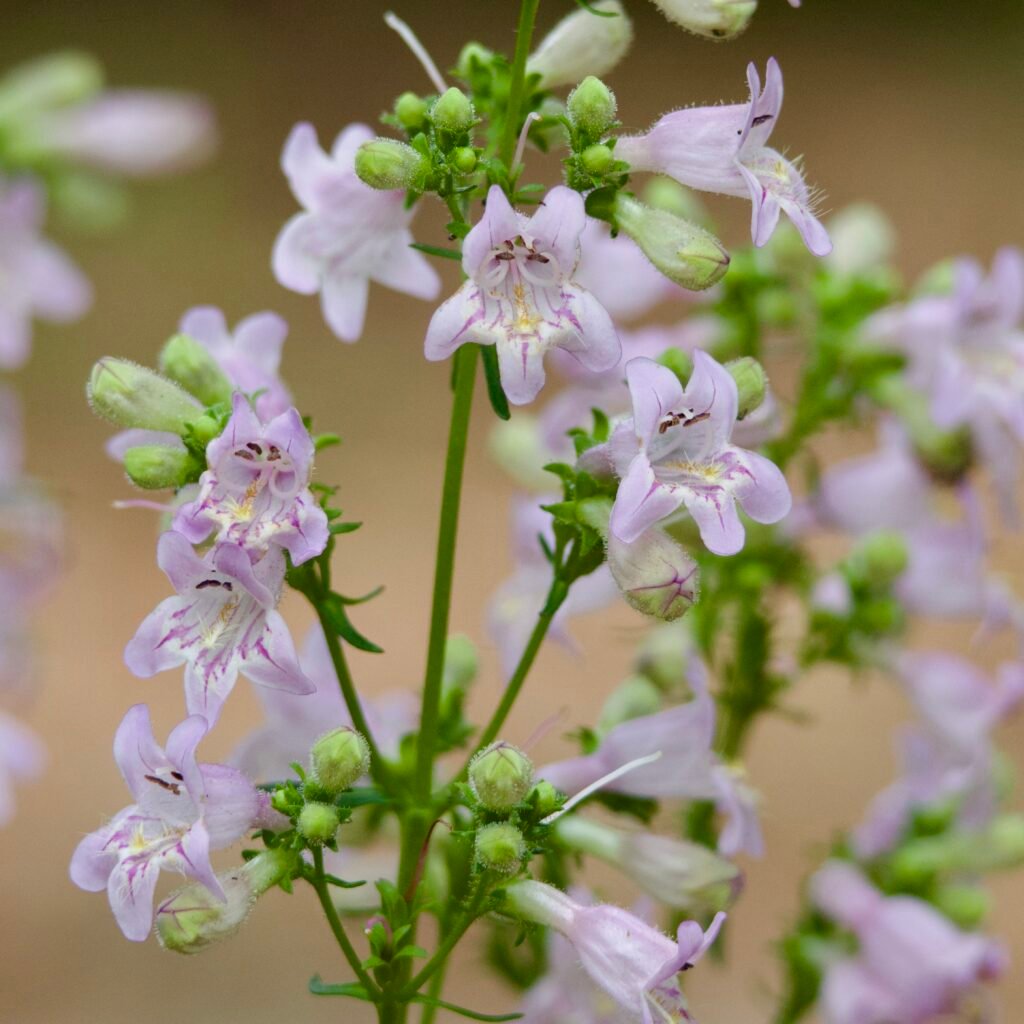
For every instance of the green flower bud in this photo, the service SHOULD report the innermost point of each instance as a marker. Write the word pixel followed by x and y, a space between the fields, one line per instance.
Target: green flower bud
pixel 966 906
pixel 883 615
pixel 188 363
pixel 318 823
pixel 597 159
pixel 547 798
pixel 1006 841
pixel 56 80
pixel 461 664
pixel 751 383
pixel 500 848
pixel 133 396
pixel 582 44
pixel 453 112
pixel 591 107
pixel 464 159
pixel 193 918
pixel 472 60
pixel 863 240
pixel 500 776
pixel 633 698
pixel 411 111
pixel 880 558
pixel 156 466
pixel 205 428
pixel 339 758
pixel 679 362
pixel 664 656
pixel 387 164
pixel 666 194
pixel 683 252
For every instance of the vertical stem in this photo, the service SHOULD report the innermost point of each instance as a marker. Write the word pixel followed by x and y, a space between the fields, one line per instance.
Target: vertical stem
pixel 465 376
pixel 524 35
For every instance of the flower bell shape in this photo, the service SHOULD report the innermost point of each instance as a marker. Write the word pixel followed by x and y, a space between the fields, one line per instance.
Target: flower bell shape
pixel 182 811
pixel 724 149
pixel 348 235
pixel 256 491
pixel 36 277
pixel 522 296
pixel 912 964
pixel 635 964
pixel 223 621
pixel 676 450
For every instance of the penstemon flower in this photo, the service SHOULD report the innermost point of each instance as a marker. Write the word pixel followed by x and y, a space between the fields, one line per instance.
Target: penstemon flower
pixel 675 450
pixel 724 149
pixel 222 622
pixel 256 491
pixel 522 297
pixel 348 235
pixel 182 811
pixel 22 757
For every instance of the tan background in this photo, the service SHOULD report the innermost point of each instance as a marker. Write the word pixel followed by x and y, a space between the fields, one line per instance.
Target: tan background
pixel 915 105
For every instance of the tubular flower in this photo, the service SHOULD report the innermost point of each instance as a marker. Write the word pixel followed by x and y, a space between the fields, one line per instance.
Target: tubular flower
pixel 222 622
pixel 348 235
pixel 675 450
pixel 635 964
pixel 256 491
pixel 182 811
pixel 724 149
pixel 521 295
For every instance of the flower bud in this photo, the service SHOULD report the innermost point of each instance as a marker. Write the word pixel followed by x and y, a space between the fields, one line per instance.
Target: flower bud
pixel 56 80
pixel 863 240
pixel 667 194
pixel 633 698
pixel 339 758
pixel 880 558
pixel 500 776
pixel 751 384
pixel 387 164
pixel 547 799
pixel 188 363
pixel 716 19
pixel 461 664
pixel 582 44
pixel 500 847
pixel 453 112
pixel 473 59
pixel 591 107
pixel 966 906
pixel 464 159
pixel 597 159
pixel 411 111
pixel 683 252
pixel 193 918
pixel 155 467
pixel 318 823
pixel 656 576
pixel 133 396
pixel 679 361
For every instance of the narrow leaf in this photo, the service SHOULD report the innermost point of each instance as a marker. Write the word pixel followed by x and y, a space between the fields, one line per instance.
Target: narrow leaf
pixel 463 1012
pixel 346 988
pixel 437 250
pixel 495 392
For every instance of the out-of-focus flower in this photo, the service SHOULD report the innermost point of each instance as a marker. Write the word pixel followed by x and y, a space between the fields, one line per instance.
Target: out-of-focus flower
pixel 717 19
pixel 522 297
pixel 635 964
pixel 863 240
pixel 22 757
pixel 723 149
pixel 513 610
pixel 348 233
pixel 222 622
pixel 37 280
pixel 582 44
pixel 182 811
pixel 256 491
pixel 676 450
pixel 911 965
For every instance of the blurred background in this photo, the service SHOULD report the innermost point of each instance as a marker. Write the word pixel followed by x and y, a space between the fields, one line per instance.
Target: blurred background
pixel 914 106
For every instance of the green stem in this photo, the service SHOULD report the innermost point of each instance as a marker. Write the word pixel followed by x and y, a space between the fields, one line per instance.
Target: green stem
pixel 434 992
pixel 320 884
pixel 465 376
pixel 524 36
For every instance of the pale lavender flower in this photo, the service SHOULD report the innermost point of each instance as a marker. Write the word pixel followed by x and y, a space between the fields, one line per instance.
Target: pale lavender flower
pixel 182 811
pixel 724 149
pixel 912 964
pixel 137 132
pixel 635 964
pixel 513 610
pixel 36 277
pixel 256 491
pixel 348 235
pixel 222 622
pixel 22 757
pixel 522 296
pixel 295 721
pixel 675 450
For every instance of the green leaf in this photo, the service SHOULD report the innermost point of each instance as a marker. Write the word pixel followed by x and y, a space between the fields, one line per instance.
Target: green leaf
pixel 463 1012
pixel 437 250
pixel 337 528
pixel 340 883
pixel 411 951
pixel 361 600
pixel 334 611
pixel 346 988
pixel 495 392
pixel 322 441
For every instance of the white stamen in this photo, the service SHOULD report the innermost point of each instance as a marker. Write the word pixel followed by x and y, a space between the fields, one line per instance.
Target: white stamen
pixel 419 51
pixel 521 144
pixel 599 784
pixel 156 506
